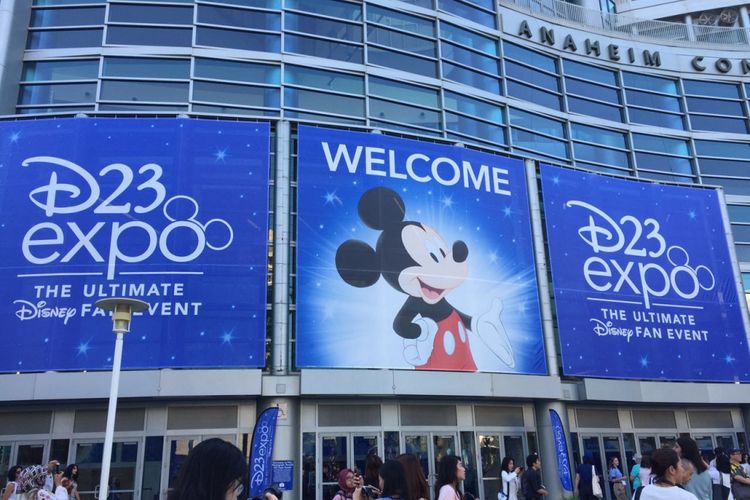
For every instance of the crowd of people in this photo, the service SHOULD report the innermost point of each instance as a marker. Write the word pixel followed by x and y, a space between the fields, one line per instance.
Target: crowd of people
pixel 39 482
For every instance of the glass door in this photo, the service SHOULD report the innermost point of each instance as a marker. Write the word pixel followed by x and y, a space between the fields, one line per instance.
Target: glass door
pixel 492 449
pixel 5 450
pixel 725 441
pixel 175 455
pixel 429 448
pixel 123 469
pixel 646 445
pixel 333 454
pixel 613 449
pixel 30 454
pixel 363 445
pixel 590 445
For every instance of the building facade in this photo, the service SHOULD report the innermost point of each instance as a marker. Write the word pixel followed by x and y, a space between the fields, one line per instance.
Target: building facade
pixel 508 79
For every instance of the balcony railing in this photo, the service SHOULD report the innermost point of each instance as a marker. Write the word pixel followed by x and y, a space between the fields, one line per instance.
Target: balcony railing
pixel 633 27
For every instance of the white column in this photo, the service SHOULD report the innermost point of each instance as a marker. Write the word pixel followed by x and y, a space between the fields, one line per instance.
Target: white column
pixel 547 450
pixel 689 26
pixel 281 249
pixel 745 21
pixel 111 412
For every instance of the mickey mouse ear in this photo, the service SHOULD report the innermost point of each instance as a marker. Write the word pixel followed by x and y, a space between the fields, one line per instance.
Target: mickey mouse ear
pixel 357 263
pixel 381 207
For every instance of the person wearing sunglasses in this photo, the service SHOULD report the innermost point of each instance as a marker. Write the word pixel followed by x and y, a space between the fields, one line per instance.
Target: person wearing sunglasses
pixel 213 470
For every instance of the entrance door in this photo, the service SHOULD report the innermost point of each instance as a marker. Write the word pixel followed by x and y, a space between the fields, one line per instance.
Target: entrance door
pixel 429 448
pixel 646 445
pixel 492 449
pixel 175 454
pixel 603 448
pixel 343 451
pixel 123 469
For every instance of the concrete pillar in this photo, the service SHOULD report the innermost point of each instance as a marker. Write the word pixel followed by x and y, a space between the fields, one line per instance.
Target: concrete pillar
pixel 689 26
pixel 287 441
pixel 280 341
pixel 14 21
pixel 547 450
pixel 745 21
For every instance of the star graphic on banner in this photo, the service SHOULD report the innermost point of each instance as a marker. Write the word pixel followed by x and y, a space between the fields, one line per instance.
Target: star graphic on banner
pixel 506 211
pixel 227 337
pixel 332 198
pixel 556 180
pixel 14 137
pixel 447 201
pixel 221 154
pixel 691 214
pixel 83 348
pixel 644 361
pixel 728 359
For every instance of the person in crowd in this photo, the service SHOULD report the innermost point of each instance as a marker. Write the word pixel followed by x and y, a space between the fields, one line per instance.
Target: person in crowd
pixel 714 473
pixel 617 479
pixel 392 483
pixel 737 473
pixel 724 466
pixel 717 452
pixel 509 478
pixel 9 493
pixel 533 488
pixel 665 464
pixel 645 473
pixel 585 474
pixel 53 467
pixel 213 470
pixel 687 469
pixel 450 474
pixel 418 487
pixel 699 483
pixel 347 484
pixel 71 474
pixel 635 477
pixel 62 486
pixel 745 463
pixel 372 469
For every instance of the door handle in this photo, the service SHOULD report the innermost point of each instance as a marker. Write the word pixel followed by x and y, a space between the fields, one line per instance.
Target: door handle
pixel 96 491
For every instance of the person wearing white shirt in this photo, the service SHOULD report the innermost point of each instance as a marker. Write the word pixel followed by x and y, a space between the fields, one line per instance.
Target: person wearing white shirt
pixel 509 479
pixel 665 464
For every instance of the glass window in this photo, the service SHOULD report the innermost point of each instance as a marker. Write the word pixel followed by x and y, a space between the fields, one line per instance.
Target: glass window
pixel 229 110
pixel 319 118
pixel 335 8
pixel 324 79
pixel 588 72
pixel 470 58
pixel 402 113
pixel 723 149
pixel 401 41
pixel 323 48
pixel 57 109
pixel 537 123
pixel 713 166
pixel 529 57
pixel 739 187
pixel 741 213
pixel 531 76
pixel 241 18
pixel 591 90
pixel 594 108
pixel 150 14
pixel 476 128
pixel 61 93
pixel 665 177
pixel 535 142
pixel 262 4
pixel 650 100
pixel 468 38
pixel 713 89
pixel 468 11
pixel 599 135
pixel 404 62
pixel 144 91
pixel 718 124
pixel 596 154
pixel 647 82
pixel 239 95
pixel 324 102
pixel 475 107
pixel 234 39
pixel 64 2
pixel 531 94
pixel 657 118
pixel 59 39
pixel 132 35
pixel 404 92
pixel 741 232
pixel 664 163
pixel 471 78
pixel 47 18
pixel 133 67
pixel 237 71
pixel 427 4
pixel 60 70
pixel 405 22
pixel 715 106
pixel 323 27
pixel 661 144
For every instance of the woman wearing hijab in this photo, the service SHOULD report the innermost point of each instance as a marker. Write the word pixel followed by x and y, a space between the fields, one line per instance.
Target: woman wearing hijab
pixel 346 485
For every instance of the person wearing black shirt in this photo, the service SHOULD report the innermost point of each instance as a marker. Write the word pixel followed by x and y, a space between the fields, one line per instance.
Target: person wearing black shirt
pixel 533 488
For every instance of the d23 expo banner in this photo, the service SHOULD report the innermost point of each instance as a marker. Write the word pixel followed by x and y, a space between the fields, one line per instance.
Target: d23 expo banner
pixel 643 282
pixel 170 211
pixel 413 255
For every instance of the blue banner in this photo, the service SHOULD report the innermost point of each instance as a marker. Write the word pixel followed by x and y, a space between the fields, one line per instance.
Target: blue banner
pixel 643 280
pixel 561 447
pixel 261 451
pixel 170 211
pixel 413 255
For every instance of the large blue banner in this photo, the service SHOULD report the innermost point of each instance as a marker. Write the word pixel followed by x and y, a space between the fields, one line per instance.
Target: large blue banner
pixel 561 448
pixel 413 255
pixel 261 451
pixel 643 281
pixel 170 211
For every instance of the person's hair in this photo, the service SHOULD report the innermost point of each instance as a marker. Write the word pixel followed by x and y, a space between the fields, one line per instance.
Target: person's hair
pixel 531 460
pixel 612 462
pixel 506 462
pixel 690 451
pixel 662 460
pixel 69 472
pixel 209 470
pixel 418 487
pixel 687 464
pixel 468 496
pixel 394 479
pixel 13 472
pixel 447 473
pixel 588 459
pixel 723 464
pixel 372 467
pixel 646 462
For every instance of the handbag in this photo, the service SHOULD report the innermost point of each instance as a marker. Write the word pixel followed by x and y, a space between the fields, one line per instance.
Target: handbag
pixel 740 491
pixel 596 488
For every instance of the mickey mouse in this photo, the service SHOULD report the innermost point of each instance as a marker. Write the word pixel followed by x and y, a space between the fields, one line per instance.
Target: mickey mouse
pixel 414 259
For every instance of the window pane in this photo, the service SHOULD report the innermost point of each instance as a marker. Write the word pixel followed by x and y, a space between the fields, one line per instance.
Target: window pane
pixel 148 14
pixel 655 118
pixel 529 75
pixel 650 83
pixel 467 12
pixel 172 37
pixel 60 70
pixel 537 123
pixel 144 91
pixel 598 135
pixel 237 71
pixel 402 113
pixel 262 4
pixel 601 155
pixel 653 100
pixel 320 101
pixel 335 8
pixel 661 144
pixel 529 57
pixel 401 41
pixel 45 18
pixel 741 232
pixel 723 149
pixel 468 38
pixel 203 108
pixel 476 128
pixel 588 72
pixel 534 142
pixel 471 78
pixel 146 68
pixel 592 108
pixel 665 177
pixel 247 40
pixel 404 92
pixel 241 18
pixel 393 19
pixel 64 2
pixel 482 109
pixel 740 213
pixel 711 89
pixel 593 91
pixel 65 93
pixel 241 95
pixel 664 163
pixel 324 79
pixel 404 62
pixel 319 118
pixel 724 167
pixel 470 58
pixel 715 106
pixel 718 124
pixel 60 109
pixel 59 39
pixel 324 27
pixel 322 48
pixel 732 186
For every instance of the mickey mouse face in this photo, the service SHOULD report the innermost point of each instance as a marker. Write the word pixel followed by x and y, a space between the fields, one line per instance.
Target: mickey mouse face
pixel 438 268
